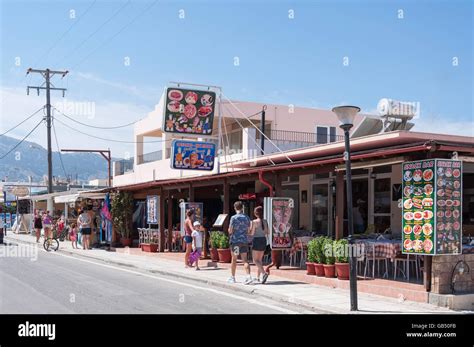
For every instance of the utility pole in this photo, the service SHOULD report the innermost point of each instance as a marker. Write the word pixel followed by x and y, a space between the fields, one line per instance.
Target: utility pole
pixel 262 129
pixel 47 74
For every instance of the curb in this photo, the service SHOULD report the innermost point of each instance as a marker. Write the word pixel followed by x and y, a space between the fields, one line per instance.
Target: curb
pixel 250 291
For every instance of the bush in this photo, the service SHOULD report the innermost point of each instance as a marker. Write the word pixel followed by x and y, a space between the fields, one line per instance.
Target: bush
pixel 320 257
pixel 223 241
pixel 341 251
pixel 328 251
pixel 122 212
pixel 215 236
pixel 312 250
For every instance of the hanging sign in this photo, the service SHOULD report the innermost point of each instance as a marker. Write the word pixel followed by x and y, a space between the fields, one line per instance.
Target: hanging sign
pixel 152 208
pixel 192 155
pixel 431 208
pixel 279 214
pixel 189 111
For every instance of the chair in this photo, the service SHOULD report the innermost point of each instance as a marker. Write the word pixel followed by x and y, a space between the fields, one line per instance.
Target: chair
pixel 370 257
pixel 407 262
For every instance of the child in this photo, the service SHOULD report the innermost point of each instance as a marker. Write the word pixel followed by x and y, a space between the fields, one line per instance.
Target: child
pixel 73 235
pixel 197 245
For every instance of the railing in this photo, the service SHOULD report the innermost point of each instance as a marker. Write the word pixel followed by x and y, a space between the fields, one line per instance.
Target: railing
pixel 299 136
pixel 150 157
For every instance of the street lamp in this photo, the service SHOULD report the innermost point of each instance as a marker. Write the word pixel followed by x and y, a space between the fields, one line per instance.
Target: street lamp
pixel 346 115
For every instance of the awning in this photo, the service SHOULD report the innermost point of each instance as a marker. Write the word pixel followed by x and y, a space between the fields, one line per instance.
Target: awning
pixel 66 198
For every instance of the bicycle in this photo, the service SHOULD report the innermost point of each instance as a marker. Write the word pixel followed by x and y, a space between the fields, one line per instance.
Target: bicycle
pixel 51 243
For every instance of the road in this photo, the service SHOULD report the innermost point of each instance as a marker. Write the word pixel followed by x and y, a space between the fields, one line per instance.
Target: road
pixel 57 283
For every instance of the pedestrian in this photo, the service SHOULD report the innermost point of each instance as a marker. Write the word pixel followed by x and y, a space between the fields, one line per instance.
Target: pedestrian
pixel 259 231
pixel 197 245
pixel 73 235
pixel 188 239
pixel 60 225
pixel 38 225
pixel 1 230
pixel 239 227
pixel 47 225
pixel 84 220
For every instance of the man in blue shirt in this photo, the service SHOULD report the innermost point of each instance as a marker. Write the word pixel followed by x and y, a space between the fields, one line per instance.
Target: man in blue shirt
pixel 239 227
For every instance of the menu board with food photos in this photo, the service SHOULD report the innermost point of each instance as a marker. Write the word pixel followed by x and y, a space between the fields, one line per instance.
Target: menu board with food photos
pixel 431 211
pixel 279 214
pixel 189 111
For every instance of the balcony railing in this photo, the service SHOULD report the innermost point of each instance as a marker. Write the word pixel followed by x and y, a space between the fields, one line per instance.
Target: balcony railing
pixel 299 136
pixel 150 157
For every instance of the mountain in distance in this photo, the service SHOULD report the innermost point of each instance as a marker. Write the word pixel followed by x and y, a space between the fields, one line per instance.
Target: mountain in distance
pixel 31 159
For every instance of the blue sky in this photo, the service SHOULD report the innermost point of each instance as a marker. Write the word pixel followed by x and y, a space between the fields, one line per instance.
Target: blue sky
pixel 282 60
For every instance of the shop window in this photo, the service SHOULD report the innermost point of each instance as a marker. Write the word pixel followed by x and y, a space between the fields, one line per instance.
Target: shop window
pixel 382 201
pixel 381 223
pixel 320 208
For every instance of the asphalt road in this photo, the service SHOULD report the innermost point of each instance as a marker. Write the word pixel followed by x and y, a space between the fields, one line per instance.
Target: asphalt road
pixel 56 283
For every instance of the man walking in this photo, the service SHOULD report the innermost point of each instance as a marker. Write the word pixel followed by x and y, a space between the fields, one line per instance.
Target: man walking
pixel 239 227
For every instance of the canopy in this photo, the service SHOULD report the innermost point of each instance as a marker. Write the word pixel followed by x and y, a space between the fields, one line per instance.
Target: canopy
pixel 73 197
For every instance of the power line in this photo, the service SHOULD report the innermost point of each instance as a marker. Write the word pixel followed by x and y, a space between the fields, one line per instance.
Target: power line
pixel 109 140
pixel 94 32
pixel 93 126
pixel 106 41
pixel 65 33
pixel 59 150
pixel 23 139
pixel 23 121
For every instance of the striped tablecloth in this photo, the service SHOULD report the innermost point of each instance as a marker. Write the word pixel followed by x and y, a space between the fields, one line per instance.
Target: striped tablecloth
pixel 384 248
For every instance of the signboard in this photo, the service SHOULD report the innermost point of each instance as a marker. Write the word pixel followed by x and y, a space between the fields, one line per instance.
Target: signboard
pixel 189 111
pixel 152 209
pixel 198 213
pixel 8 221
pixel 431 208
pixel 220 220
pixel 279 214
pixel 192 155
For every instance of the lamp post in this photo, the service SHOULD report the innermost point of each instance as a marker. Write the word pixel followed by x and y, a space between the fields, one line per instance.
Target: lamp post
pixel 346 115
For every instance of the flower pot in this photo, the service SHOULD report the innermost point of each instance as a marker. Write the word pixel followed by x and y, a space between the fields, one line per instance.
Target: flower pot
pixel 224 255
pixel 214 255
pixel 149 247
pixel 310 269
pixel 329 270
pixel 126 242
pixel 342 270
pixel 319 269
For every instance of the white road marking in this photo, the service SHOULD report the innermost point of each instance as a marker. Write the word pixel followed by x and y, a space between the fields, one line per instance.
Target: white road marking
pixel 252 301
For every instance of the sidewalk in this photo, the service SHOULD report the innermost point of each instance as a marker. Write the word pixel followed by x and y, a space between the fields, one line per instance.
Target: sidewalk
pixel 284 289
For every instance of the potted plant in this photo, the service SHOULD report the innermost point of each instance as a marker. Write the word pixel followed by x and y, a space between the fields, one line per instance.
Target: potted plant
pixel 311 257
pixel 150 243
pixel 215 235
pixel 319 255
pixel 329 267
pixel 341 254
pixel 223 249
pixel 122 209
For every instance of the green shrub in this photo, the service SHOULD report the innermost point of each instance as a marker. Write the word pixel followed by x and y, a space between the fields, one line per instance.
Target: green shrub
pixel 223 241
pixel 328 251
pixel 215 236
pixel 320 257
pixel 312 251
pixel 340 248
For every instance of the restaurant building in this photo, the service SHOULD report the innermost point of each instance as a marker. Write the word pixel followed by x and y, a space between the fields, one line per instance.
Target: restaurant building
pixel 311 170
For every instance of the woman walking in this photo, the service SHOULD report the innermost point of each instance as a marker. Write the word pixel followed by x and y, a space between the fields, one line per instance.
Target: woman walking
pixel 84 221
pixel 259 231
pixel 38 224
pixel 47 225
pixel 188 239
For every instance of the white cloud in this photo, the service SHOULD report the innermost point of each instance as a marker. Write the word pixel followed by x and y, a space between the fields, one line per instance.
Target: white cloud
pixel 16 106
pixel 444 125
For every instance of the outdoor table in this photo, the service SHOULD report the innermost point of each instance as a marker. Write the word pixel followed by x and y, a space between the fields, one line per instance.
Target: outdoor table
pixel 385 249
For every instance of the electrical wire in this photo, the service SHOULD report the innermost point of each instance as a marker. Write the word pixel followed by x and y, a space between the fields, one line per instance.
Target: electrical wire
pixel 262 134
pixel 106 41
pixel 94 32
pixel 109 140
pixel 23 121
pixel 65 33
pixel 96 127
pixel 23 139
pixel 59 150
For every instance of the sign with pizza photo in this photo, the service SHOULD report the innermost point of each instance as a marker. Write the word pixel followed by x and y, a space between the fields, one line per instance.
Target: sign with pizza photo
pixel 188 111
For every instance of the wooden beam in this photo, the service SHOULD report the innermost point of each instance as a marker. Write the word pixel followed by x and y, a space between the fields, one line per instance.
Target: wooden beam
pixel 162 223
pixel 339 220
pixel 191 192
pixel 278 186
